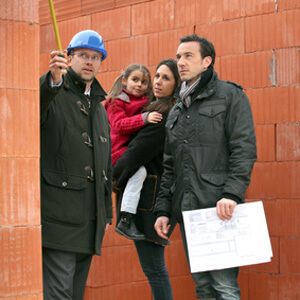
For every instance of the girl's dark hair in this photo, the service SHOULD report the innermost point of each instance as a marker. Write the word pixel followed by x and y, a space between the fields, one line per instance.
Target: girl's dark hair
pixel 117 87
pixel 164 106
pixel 206 47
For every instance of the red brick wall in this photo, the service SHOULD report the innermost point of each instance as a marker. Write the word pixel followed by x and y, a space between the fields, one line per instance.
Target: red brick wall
pixel 257 44
pixel 20 231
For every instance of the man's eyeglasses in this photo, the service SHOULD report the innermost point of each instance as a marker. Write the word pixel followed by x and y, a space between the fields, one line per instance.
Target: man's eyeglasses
pixel 86 57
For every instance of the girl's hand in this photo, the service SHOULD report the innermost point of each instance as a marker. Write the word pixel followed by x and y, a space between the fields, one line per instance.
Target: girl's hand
pixel 154 117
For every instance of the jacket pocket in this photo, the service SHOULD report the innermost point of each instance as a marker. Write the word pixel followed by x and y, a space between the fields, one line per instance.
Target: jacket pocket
pixel 148 194
pixel 212 111
pixel 215 179
pixel 210 125
pixel 63 197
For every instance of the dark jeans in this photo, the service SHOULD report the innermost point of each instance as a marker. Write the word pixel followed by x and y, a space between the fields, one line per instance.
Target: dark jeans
pixel 217 284
pixel 152 259
pixel 64 274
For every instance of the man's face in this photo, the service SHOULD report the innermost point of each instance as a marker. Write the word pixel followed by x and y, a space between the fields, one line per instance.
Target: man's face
pixel 86 63
pixel 189 61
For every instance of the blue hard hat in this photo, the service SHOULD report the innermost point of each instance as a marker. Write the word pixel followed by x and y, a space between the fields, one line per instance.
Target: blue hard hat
pixel 88 39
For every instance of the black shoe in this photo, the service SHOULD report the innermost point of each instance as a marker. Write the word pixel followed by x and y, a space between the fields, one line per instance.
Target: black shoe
pixel 127 228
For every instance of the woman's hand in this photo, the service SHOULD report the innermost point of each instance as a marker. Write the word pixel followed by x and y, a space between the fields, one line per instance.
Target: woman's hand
pixel 162 227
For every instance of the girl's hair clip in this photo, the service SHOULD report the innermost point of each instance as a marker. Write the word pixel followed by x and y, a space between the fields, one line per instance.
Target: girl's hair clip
pixel 123 73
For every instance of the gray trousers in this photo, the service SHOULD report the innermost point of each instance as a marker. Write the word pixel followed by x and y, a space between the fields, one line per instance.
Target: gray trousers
pixel 64 274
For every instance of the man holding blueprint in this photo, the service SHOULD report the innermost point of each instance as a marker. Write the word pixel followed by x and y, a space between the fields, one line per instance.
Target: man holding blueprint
pixel 209 154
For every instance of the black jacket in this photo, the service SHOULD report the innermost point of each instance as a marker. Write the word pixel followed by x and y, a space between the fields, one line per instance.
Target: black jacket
pixel 75 201
pixel 145 149
pixel 210 149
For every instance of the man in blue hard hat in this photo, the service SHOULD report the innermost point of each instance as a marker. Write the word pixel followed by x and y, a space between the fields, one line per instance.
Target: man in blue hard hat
pixel 76 203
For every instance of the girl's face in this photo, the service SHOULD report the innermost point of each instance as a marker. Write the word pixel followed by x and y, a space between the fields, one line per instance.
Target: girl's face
pixel 163 82
pixel 137 83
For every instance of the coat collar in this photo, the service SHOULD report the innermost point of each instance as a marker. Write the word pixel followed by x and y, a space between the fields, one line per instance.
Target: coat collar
pixel 127 97
pixel 73 79
pixel 205 91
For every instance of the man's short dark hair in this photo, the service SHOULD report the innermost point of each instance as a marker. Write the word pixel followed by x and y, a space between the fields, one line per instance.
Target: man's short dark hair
pixel 206 48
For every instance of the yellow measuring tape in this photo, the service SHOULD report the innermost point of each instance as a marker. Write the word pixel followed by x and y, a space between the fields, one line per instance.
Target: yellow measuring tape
pixel 55 26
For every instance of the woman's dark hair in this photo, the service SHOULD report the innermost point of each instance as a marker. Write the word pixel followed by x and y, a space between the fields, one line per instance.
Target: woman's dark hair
pixel 117 87
pixel 206 48
pixel 164 106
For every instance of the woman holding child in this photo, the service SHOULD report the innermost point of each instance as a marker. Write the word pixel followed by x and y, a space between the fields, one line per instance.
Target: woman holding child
pixel 146 149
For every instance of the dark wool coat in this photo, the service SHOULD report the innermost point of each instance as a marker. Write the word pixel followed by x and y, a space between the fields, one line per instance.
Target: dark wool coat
pixel 210 149
pixel 75 139
pixel 145 149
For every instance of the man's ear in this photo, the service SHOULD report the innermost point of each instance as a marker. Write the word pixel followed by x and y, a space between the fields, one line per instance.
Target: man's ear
pixel 207 60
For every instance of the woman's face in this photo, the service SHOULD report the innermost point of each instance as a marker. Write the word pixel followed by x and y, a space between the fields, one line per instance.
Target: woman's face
pixel 163 82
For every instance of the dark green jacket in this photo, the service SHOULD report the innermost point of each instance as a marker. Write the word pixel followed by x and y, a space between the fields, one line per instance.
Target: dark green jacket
pixel 75 201
pixel 210 149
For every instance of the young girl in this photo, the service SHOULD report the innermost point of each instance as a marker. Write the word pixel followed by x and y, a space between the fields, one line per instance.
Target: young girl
pixel 129 94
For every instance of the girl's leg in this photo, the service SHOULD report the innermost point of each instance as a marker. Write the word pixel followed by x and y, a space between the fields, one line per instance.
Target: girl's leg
pixel 152 260
pixel 132 192
pixel 130 201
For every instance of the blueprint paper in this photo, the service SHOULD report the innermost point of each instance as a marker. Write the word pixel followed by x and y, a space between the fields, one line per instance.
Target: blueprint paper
pixel 214 244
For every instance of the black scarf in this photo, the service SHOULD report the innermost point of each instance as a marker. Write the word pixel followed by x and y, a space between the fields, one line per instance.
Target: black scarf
pixel 205 78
